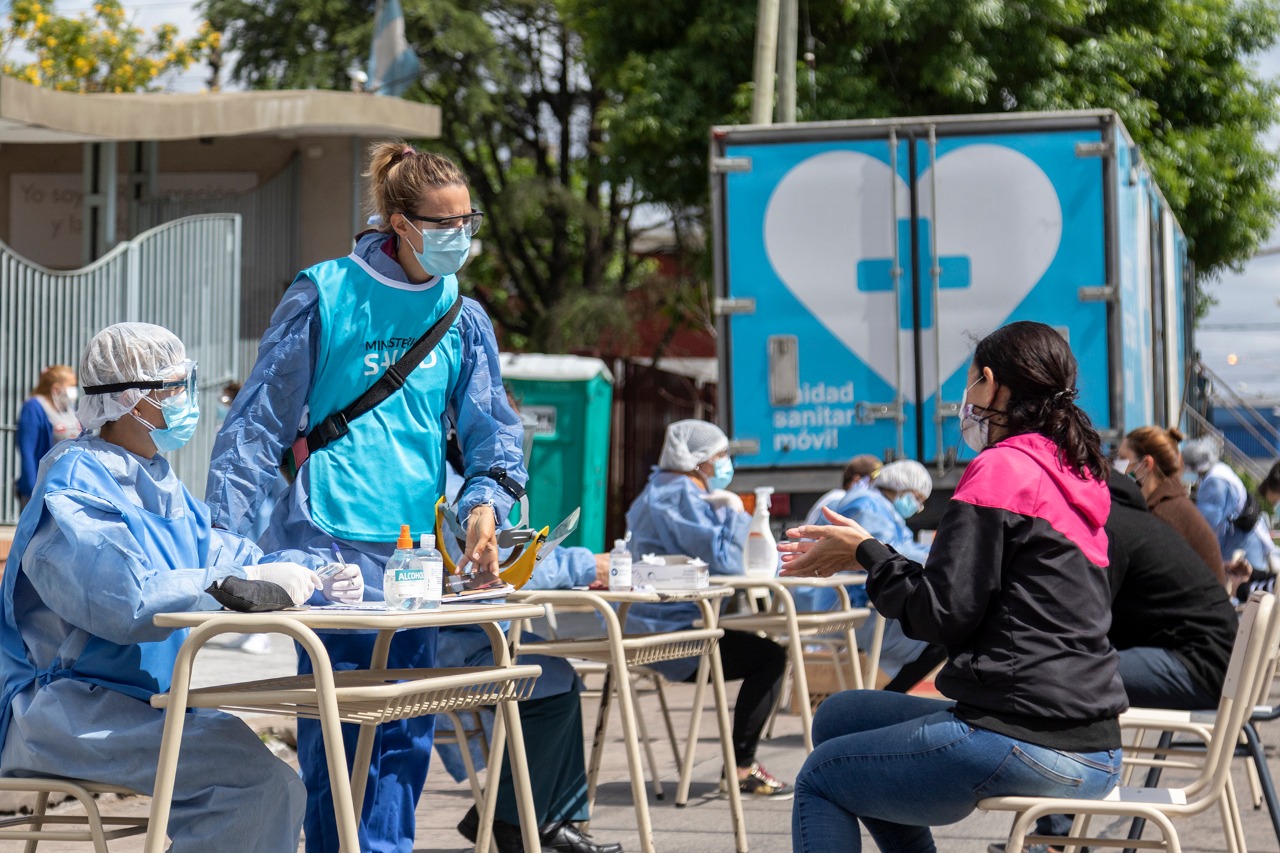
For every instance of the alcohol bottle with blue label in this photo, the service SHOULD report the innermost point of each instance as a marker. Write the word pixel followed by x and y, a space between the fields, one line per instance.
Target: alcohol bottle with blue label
pixel 404 581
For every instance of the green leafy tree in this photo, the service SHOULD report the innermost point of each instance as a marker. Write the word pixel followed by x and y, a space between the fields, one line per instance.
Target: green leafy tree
pixel 520 114
pixel 98 51
pixel 1179 73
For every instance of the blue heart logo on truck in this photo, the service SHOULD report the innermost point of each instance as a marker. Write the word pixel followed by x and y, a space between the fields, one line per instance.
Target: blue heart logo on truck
pixel 829 233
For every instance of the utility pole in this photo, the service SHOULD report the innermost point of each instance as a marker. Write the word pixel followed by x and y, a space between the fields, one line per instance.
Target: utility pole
pixel 766 61
pixel 788 37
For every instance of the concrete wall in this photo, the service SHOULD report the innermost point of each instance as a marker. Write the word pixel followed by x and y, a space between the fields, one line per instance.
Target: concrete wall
pixel 41 184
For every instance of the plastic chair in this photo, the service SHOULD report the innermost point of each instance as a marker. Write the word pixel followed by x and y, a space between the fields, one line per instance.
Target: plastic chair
pixel 1187 754
pixel 1210 788
pixel 40 826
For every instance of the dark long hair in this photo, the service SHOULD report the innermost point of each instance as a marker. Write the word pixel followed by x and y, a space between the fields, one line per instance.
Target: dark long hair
pixel 1036 365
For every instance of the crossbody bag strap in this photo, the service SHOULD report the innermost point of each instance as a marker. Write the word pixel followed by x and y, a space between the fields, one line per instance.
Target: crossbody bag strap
pixel 338 424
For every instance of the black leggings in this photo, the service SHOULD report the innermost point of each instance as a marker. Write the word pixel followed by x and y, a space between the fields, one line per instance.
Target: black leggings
pixel 760 663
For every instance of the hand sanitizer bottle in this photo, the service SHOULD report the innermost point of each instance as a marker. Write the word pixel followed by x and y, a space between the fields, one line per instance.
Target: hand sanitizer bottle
pixel 760 557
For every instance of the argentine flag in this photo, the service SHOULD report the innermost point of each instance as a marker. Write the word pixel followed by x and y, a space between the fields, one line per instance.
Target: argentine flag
pixel 393 65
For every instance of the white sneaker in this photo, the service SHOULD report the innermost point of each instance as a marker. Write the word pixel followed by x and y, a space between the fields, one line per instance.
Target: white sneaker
pixel 255 644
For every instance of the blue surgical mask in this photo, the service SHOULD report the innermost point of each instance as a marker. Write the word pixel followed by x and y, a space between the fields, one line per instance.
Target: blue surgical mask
pixel 181 415
pixel 721 475
pixel 906 504
pixel 444 250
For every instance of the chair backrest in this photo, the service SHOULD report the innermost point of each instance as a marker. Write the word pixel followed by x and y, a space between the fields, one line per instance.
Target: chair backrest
pixel 1268 664
pixel 1259 630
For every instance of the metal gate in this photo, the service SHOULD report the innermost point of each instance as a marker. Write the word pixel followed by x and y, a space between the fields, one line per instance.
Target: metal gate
pixel 183 275
pixel 269 257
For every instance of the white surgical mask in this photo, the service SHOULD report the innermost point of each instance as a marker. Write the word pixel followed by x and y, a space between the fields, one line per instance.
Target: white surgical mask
pixel 1121 466
pixel 444 250
pixel 973 428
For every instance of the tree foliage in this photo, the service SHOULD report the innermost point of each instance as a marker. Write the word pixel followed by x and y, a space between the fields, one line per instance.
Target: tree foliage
pixel 1179 73
pixel 579 119
pixel 98 51
pixel 520 115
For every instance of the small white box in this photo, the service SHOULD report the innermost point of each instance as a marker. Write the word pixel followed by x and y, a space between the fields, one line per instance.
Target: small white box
pixel 678 573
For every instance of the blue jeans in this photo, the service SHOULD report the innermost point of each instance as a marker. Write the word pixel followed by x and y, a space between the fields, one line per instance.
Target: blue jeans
pixel 901 764
pixel 1153 678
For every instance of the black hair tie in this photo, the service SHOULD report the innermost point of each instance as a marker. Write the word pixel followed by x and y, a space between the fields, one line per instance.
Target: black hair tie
pixel 1067 395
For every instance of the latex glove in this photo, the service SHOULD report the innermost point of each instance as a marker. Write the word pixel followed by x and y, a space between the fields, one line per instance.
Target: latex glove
pixel 725 498
pixel 298 581
pixel 343 583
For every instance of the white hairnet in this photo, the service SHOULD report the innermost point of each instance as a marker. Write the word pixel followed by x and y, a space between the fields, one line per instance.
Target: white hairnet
pixel 690 443
pixel 905 475
pixel 1200 454
pixel 125 352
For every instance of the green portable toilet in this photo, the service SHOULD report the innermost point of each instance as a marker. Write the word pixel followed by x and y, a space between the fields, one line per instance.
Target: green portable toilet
pixel 569 398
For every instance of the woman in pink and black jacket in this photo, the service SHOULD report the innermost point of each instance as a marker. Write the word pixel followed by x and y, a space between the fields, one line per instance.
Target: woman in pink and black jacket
pixel 1015 588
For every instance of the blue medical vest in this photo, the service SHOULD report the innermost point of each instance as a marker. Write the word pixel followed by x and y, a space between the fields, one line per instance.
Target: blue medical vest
pixel 388 470
pixel 139 670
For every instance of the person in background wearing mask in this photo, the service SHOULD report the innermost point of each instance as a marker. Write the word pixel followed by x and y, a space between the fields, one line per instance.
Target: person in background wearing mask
pixel 341 325
pixel 897 492
pixel 1150 456
pixel 111 538
pixel 1015 587
pixel 1234 516
pixel 46 418
pixel 685 508
pixel 857 475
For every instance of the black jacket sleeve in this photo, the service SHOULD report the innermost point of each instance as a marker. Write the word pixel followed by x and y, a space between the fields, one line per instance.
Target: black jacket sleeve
pixel 946 599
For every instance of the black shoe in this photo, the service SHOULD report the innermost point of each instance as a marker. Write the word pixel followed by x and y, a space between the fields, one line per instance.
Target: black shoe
pixel 567 838
pixel 562 837
pixel 505 836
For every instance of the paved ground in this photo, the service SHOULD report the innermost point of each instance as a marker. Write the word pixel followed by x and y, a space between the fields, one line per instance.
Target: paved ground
pixel 703 825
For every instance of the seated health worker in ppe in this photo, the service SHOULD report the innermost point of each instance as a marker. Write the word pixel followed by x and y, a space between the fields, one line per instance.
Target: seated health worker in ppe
pixel 339 327
pixel 857 474
pixel 686 509
pixel 111 538
pixel 896 493
pixel 1222 498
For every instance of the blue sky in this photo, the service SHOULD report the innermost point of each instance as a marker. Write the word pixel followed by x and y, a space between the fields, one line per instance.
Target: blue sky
pixel 1237 340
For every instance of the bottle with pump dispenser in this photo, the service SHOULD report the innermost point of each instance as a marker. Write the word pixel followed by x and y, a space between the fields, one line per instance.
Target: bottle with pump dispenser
pixel 404 583
pixel 433 571
pixel 760 557
pixel 620 566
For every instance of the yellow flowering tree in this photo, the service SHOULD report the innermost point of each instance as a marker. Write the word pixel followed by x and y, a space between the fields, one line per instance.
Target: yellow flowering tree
pixel 98 51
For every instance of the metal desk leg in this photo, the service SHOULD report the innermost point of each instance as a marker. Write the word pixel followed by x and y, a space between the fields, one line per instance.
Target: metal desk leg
pixel 695 723
pixel 799 678
pixel 508 713
pixel 171 739
pixel 597 742
pixel 630 733
pixel 364 743
pixel 709 616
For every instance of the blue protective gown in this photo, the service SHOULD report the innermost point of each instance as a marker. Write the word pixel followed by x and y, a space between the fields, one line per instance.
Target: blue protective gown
pixel 109 540
pixel 265 417
pixel 1220 498
pixel 869 507
pixel 671 517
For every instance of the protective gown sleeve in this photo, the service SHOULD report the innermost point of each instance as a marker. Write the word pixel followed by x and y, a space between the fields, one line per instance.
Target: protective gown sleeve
pixel 564 568
pixel 266 413
pixel 696 528
pixel 1216 502
pixel 232 551
pixel 489 430
pixel 946 599
pixel 89 569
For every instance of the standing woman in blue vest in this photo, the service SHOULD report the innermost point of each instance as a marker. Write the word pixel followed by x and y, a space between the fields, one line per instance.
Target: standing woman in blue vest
pixel 339 327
